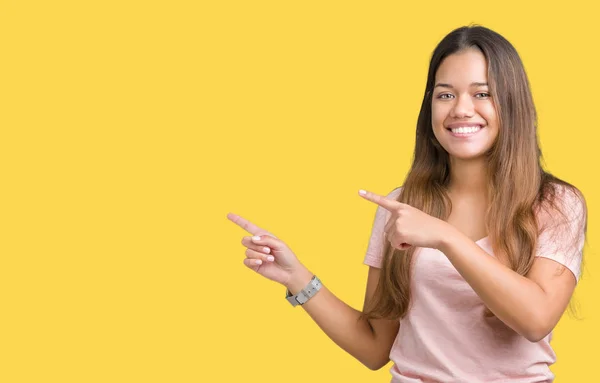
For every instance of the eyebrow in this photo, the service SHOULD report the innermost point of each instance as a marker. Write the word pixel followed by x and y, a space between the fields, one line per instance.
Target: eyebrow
pixel 442 85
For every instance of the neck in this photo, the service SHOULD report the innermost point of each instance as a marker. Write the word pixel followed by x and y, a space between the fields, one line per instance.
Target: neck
pixel 468 177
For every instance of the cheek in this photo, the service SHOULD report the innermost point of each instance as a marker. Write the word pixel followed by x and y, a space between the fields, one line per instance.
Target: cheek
pixel 438 115
pixel 489 113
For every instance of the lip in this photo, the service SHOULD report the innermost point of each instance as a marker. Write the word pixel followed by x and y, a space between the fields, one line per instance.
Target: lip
pixel 465 135
pixel 464 124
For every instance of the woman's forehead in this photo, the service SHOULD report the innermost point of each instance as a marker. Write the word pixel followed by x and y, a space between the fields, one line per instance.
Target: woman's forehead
pixel 466 68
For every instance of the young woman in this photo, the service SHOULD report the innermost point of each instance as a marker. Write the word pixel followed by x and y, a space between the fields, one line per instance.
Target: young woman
pixel 475 258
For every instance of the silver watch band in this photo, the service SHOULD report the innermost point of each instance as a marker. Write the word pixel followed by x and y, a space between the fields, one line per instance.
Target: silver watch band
pixel 306 293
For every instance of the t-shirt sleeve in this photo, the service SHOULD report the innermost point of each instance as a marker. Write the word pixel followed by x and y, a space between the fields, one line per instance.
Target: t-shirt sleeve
pixel 563 235
pixel 374 255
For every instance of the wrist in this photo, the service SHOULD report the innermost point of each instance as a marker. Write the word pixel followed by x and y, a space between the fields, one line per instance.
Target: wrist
pixel 298 280
pixel 449 236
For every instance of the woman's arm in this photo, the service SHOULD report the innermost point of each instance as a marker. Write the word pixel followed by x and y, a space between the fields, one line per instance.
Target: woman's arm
pixel 531 305
pixel 369 341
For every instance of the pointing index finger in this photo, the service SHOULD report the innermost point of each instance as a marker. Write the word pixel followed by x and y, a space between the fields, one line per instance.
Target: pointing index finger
pixel 382 201
pixel 247 225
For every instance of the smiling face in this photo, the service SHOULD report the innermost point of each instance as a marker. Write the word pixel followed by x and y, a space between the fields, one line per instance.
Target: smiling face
pixel 464 118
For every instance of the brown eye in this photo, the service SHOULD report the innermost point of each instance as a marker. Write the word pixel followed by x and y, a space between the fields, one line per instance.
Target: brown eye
pixel 485 95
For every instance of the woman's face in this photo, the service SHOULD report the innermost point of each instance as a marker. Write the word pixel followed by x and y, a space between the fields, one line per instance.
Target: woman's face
pixel 464 118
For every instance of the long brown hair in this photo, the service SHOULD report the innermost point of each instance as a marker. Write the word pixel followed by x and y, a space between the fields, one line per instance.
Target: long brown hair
pixel 517 184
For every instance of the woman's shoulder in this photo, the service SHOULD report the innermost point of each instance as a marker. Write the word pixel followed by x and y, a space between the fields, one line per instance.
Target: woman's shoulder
pixel 562 195
pixel 395 193
pixel 562 202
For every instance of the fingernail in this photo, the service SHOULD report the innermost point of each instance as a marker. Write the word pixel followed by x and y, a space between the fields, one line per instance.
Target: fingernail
pixel 266 250
pixel 256 238
pixel 258 262
pixel 270 258
pixel 362 192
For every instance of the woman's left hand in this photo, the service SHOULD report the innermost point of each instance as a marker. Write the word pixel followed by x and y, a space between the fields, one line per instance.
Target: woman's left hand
pixel 409 226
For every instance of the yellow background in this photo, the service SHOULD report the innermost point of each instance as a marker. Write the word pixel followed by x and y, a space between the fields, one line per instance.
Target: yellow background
pixel 129 129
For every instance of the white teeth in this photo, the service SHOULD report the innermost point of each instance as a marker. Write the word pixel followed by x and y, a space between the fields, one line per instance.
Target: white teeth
pixel 466 129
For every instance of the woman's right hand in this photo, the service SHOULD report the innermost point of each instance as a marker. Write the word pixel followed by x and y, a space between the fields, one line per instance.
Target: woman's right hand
pixel 266 254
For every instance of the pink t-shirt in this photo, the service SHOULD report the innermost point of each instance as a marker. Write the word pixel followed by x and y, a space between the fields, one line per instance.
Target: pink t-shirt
pixel 445 336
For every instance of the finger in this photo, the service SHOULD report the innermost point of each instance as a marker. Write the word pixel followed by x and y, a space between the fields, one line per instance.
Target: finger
pixel 384 202
pixel 397 244
pixel 267 240
pixel 252 263
pixel 246 225
pixel 247 241
pixel 390 225
pixel 259 256
pixel 403 246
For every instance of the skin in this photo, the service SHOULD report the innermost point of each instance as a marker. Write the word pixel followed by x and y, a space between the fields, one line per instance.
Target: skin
pixel 460 96
pixel 531 305
pixel 368 341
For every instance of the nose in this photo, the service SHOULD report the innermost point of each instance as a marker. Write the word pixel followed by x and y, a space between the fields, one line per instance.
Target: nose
pixel 463 107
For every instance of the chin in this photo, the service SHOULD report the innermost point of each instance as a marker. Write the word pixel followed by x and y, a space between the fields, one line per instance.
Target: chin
pixel 466 154
pixel 469 152
pixel 469 158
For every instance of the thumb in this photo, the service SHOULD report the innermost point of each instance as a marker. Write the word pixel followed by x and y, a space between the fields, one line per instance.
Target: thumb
pixel 268 240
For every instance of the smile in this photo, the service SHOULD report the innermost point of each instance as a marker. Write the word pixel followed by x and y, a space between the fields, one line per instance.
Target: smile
pixel 465 131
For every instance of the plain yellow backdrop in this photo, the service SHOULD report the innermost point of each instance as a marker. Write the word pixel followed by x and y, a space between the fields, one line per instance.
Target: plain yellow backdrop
pixel 129 129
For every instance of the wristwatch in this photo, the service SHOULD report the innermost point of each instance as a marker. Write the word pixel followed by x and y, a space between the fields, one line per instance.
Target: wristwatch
pixel 305 294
